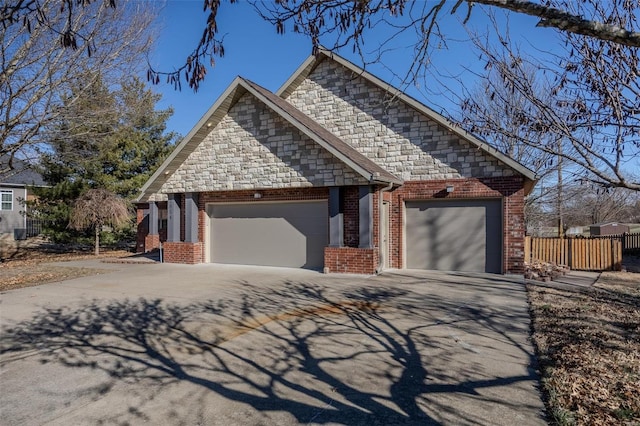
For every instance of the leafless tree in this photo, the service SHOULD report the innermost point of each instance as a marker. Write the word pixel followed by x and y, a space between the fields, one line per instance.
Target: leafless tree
pixel 584 113
pixel 594 119
pixel 46 45
pixel 581 106
pixel 585 207
pixel 350 22
pixel 495 104
pixel 97 208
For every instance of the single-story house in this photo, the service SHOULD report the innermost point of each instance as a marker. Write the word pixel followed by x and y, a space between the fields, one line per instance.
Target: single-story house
pixel 338 171
pixel 14 191
pixel 608 228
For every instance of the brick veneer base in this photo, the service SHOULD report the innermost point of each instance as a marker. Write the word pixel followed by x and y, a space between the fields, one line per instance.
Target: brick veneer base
pixel 189 253
pixel 350 260
pixel 151 242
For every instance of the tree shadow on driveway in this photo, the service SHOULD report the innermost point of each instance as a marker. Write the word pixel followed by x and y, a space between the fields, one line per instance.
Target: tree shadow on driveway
pixel 302 352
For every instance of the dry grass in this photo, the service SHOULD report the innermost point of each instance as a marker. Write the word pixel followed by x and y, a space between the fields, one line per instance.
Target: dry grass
pixel 28 267
pixel 588 342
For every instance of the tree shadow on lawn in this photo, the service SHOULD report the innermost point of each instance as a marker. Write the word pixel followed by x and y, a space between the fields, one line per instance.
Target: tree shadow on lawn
pixel 353 358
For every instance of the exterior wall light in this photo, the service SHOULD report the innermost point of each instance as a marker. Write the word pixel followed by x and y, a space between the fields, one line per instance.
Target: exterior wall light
pixel 449 189
pixel 257 195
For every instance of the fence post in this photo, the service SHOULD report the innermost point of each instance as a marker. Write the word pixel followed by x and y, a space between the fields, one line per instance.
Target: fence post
pixel 617 255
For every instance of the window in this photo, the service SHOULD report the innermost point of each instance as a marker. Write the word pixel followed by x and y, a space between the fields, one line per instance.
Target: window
pixel 6 199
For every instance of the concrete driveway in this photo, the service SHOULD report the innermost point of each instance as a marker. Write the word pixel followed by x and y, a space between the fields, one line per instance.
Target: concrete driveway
pixel 230 345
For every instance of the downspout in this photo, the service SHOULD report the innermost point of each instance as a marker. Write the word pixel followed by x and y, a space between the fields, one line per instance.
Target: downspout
pixel 380 231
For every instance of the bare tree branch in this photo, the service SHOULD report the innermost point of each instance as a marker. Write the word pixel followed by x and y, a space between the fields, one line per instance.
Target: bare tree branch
pixel 35 71
pixel 562 20
pixel 580 98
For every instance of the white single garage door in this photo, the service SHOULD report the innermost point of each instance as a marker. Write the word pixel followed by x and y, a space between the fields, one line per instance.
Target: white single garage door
pixel 454 235
pixel 291 234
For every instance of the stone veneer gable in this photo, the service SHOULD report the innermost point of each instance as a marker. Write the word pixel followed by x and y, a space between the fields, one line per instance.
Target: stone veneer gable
pixel 254 148
pixel 390 132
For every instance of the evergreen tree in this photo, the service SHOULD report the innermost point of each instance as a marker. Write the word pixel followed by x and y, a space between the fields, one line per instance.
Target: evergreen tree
pixel 138 145
pixel 109 139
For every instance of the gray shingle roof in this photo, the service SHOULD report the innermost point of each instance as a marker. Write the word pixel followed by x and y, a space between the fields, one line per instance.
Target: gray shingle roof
pixel 22 173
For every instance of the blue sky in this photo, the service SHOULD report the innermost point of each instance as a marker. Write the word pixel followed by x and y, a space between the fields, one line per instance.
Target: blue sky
pixel 255 51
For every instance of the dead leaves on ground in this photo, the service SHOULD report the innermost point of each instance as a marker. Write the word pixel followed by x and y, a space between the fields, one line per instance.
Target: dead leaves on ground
pixel 29 276
pixel 588 343
pixel 30 268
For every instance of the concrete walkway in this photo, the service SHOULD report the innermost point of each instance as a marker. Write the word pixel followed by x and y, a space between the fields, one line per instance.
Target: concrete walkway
pixel 579 278
pixel 214 344
pixel 572 281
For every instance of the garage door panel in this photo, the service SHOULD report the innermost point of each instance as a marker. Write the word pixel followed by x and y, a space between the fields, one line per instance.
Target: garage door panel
pixel 454 235
pixel 291 234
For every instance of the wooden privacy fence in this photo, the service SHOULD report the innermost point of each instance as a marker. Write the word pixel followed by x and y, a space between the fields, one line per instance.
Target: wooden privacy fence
pixel 577 253
pixel 630 242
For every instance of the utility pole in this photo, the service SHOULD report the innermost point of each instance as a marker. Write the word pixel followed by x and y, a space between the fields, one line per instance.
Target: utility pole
pixel 560 189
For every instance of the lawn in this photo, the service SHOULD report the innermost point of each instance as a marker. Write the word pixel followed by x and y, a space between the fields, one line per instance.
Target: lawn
pixel 31 266
pixel 588 344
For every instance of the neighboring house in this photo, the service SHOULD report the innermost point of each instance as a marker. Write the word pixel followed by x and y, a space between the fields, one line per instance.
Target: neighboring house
pixel 336 171
pixel 608 228
pixel 574 231
pixel 14 191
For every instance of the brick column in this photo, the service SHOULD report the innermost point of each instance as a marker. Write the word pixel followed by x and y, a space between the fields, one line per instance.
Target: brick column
pixel 152 239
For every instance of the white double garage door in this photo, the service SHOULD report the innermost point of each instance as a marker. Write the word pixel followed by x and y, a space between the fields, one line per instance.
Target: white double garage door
pixel 456 235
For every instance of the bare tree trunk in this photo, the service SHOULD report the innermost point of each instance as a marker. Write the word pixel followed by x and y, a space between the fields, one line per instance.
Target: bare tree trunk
pixel 97 244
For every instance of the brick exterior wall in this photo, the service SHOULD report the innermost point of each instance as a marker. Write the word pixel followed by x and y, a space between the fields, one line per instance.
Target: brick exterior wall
pixel 293 194
pixel 509 189
pixel 252 149
pixel 351 217
pixel 151 242
pixel 144 241
pixel 142 227
pixel 181 252
pixel 350 260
